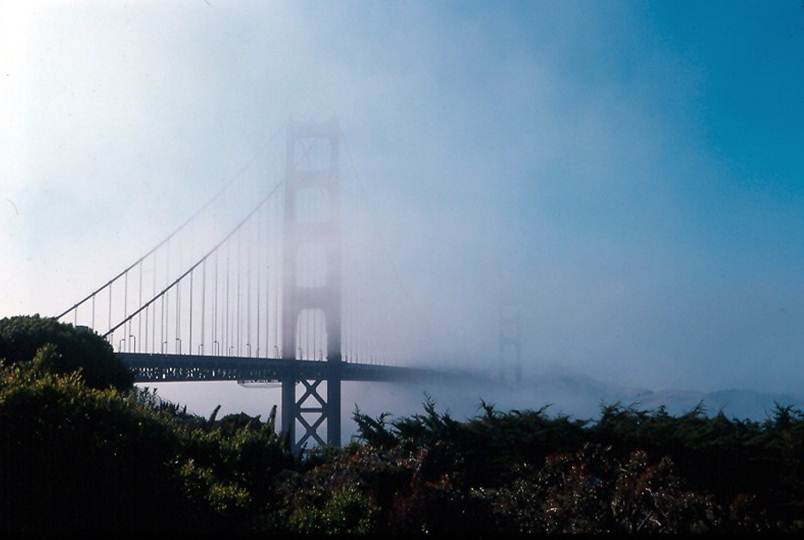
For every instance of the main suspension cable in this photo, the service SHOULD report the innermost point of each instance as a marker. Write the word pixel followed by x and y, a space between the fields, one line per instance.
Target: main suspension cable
pixel 178 229
pixel 200 261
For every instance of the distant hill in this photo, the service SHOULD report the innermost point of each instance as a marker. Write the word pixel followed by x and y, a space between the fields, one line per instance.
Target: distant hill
pixel 580 395
pixel 740 403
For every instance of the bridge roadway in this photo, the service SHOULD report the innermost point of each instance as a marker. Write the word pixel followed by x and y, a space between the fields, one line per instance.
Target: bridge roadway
pixel 185 368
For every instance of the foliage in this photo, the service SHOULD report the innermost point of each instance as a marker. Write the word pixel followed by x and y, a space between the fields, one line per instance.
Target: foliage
pixel 590 491
pixel 630 471
pixel 346 510
pixel 77 457
pixel 76 348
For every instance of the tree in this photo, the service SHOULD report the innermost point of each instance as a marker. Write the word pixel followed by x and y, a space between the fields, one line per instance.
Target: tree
pixel 76 348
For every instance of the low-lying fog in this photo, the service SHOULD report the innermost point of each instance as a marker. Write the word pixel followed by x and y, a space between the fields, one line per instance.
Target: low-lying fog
pixel 565 393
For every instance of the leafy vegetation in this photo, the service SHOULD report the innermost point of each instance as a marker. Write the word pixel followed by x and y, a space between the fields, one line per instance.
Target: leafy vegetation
pixel 76 457
pixel 80 456
pixel 629 472
pixel 74 348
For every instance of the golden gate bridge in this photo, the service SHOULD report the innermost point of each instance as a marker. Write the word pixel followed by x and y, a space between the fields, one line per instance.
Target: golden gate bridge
pixel 263 303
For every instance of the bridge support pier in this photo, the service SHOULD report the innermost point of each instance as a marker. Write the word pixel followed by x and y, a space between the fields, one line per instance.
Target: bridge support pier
pixel 311 410
pixel 334 411
pixel 289 410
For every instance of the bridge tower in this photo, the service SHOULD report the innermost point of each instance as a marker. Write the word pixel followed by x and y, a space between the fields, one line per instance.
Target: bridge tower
pixel 311 293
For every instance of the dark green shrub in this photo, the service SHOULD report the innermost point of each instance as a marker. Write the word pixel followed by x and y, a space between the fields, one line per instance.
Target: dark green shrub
pixel 76 458
pixel 346 510
pixel 708 473
pixel 79 458
pixel 76 348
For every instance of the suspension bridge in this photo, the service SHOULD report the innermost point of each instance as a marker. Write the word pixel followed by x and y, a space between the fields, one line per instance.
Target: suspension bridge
pixel 265 302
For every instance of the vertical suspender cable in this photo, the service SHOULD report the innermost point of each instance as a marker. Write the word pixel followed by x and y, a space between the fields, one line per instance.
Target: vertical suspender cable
pixel 110 311
pixel 268 349
pixel 259 275
pixel 268 261
pixel 178 318
pixel 125 308
pixel 139 320
pixel 153 323
pixel 237 304
pixel 167 297
pixel 248 297
pixel 162 340
pixel 215 310
pixel 203 304
pixel 145 343
pixel 190 335
pixel 278 276
pixel 178 299
pixel 226 332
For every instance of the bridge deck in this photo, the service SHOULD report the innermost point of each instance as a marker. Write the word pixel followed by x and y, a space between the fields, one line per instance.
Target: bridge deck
pixel 183 367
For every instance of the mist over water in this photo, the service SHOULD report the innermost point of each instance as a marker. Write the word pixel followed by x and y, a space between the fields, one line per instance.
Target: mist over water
pixel 633 185
pixel 559 392
pixel 373 399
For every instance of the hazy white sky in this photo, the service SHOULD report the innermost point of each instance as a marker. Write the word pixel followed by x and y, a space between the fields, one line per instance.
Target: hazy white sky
pixel 636 167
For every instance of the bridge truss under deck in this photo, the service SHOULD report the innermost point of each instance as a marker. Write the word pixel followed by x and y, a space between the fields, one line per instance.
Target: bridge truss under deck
pixel 188 368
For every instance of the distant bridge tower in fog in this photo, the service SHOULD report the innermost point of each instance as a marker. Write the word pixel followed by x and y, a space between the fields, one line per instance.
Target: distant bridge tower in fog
pixel 311 302
pixel 510 340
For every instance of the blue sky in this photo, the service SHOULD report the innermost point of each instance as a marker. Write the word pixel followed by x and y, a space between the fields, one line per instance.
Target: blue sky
pixel 637 167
